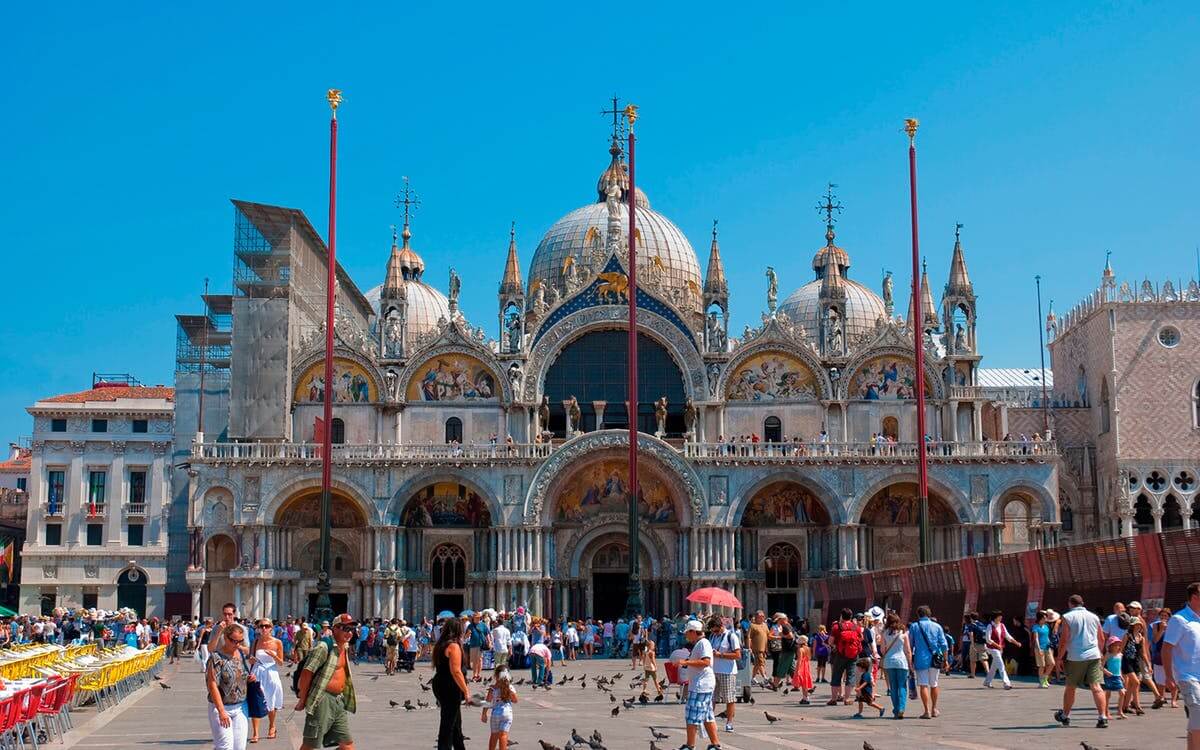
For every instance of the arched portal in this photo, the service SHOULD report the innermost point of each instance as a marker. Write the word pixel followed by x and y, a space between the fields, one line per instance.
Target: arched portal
pixel 220 557
pixel 593 368
pixel 890 519
pixel 447 534
pixel 604 567
pixel 448 577
pixel 1017 516
pixel 131 591
pixel 348 532
pixel 1143 516
pixel 787 534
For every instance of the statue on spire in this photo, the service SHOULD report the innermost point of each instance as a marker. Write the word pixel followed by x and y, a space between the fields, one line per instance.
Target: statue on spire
pixel 772 290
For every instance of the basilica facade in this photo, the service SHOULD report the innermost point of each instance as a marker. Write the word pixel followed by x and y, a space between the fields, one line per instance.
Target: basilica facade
pixel 479 467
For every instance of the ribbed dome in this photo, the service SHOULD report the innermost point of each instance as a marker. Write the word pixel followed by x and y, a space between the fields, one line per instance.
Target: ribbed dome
pixel 863 308
pixel 426 306
pixel 659 237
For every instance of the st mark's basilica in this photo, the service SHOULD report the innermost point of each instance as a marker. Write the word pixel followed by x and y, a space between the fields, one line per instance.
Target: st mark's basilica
pixel 479 466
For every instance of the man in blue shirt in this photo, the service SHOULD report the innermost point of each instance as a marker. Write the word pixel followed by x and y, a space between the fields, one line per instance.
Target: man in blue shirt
pixel 1181 660
pixel 621 640
pixel 927 638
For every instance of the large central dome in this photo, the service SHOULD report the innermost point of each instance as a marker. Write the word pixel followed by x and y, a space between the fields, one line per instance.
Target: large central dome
pixel 663 251
pixel 862 306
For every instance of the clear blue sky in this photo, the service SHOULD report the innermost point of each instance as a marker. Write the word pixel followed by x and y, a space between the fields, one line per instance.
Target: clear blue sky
pixel 1052 134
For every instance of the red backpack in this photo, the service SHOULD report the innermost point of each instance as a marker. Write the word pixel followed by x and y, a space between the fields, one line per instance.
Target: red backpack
pixel 847 639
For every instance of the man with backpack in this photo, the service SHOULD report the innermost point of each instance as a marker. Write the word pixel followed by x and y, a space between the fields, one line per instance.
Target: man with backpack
pixel 978 653
pixel 391 639
pixel 845 647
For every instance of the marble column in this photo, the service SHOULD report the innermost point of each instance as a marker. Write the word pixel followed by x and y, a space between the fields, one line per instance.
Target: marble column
pixel 1158 517
pixel 237 598
pixel 301 599
pixel 196 588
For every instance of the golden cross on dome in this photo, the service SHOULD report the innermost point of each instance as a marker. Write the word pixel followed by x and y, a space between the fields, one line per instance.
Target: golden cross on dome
pixel 409 200
pixel 830 205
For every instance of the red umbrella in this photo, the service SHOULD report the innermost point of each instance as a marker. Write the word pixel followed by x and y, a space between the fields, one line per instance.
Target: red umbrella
pixel 715 597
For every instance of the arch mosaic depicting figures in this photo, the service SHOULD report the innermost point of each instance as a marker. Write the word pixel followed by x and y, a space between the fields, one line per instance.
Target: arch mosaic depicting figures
pixel 887 376
pixel 456 371
pixel 574 453
pixel 605 317
pixel 355 380
pixel 773 374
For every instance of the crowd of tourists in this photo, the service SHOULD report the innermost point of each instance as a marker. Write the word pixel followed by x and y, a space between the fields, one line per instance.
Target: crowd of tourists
pixel 709 664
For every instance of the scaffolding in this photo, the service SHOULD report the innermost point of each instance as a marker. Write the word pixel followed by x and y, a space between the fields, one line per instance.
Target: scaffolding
pixel 204 342
pixel 261 250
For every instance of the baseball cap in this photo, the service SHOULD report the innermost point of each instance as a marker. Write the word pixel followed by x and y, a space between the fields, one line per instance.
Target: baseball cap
pixel 1135 605
pixel 695 625
pixel 344 619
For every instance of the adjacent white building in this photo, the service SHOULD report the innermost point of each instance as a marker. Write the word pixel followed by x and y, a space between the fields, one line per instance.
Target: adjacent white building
pixel 99 489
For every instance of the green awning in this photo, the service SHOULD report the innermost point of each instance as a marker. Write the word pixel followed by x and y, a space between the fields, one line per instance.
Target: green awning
pixel 6 612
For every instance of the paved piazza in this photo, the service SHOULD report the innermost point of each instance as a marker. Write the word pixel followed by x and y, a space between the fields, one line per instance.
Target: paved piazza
pixel 972 719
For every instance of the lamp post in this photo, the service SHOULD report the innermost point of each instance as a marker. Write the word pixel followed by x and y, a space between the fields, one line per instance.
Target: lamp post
pixel 324 603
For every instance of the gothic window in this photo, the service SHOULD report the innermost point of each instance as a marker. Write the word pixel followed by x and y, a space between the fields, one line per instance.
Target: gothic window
pixel 1168 336
pixel 448 568
pixel 1105 408
pixel 772 430
pixel 1196 404
pixel 782 567
pixel 454 432
pixel 1172 514
pixel 1143 519
pixel 1081 387
pixel 1068 519
pixel 337 433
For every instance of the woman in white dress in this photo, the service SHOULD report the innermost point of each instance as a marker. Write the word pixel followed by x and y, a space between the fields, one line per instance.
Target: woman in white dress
pixel 268 655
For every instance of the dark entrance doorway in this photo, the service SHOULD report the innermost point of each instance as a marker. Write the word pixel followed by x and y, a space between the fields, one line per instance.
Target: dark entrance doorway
pixel 609 591
pixel 782 601
pixel 131 591
pixel 339 603
pixel 452 602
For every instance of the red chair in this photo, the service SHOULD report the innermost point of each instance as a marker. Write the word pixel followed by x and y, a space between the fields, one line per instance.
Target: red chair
pixel 27 720
pixel 10 710
pixel 50 710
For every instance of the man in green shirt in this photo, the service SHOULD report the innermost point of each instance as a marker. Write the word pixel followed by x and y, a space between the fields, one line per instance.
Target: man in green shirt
pixel 327 690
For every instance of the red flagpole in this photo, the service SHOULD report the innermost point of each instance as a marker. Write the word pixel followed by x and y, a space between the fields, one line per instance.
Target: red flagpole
pixel 633 602
pixel 324 603
pixel 918 324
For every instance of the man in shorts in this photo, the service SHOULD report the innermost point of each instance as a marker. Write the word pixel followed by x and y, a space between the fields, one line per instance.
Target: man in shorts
pixel 701 684
pixel 758 634
pixel 727 650
pixel 1079 644
pixel 391 639
pixel 327 690
pixel 977 653
pixel 926 638
pixel 1181 660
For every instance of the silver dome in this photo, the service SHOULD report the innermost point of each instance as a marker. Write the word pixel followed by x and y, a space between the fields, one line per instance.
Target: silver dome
pixel 426 306
pixel 863 308
pixel 659 237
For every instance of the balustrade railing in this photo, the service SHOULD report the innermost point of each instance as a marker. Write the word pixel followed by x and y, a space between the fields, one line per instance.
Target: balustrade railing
pixel 728 451
pixel 825 451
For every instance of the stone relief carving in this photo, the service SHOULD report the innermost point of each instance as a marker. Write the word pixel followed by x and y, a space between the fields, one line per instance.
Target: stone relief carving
pixel 514 488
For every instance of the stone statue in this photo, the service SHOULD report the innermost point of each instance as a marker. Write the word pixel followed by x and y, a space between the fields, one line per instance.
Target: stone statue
pixel 716 333
pixel 515 376
pixel 714 375
pixel 573 415
pixel 772 290
pixel 889 302
pixel 552 296
pixel 392 381
pixel 539 298
pixel 834 338
pixel 960 339
pixel 660 414
pixel 514 333
pixel 689 417
pixel 570 274
pixel 455 288
pixel 393 346
pixel 544 413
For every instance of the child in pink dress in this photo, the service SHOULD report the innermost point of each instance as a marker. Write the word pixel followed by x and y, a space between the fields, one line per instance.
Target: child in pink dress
pixel 802 676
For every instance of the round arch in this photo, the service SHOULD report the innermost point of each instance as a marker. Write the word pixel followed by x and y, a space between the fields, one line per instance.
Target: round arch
pixel 815 487
pixel 220 553
pixel 303 365
pixel 1044 503
pixel 804 356
pixel 683 349
pixel 562 461
pixel 953 498
pixel 591 540
pixel 204 499
pixel 393 515
pixel 933 380
pixel 312 480
pixel 503 393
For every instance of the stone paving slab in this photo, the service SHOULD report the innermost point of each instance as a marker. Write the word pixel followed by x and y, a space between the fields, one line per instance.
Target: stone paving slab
pixel 972 718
